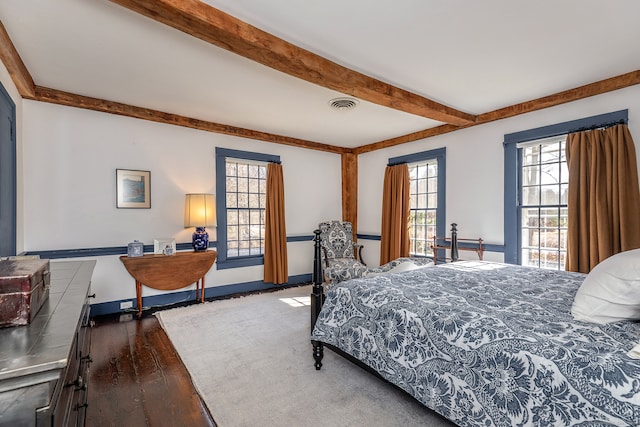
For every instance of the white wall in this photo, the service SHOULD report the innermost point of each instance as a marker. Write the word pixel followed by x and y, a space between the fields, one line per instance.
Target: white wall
pixel 70 159
pixel 475 172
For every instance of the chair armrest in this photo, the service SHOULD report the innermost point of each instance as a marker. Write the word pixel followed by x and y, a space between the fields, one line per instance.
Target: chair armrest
pixel 357 248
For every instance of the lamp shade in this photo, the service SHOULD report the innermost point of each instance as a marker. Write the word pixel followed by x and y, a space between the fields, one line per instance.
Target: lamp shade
pixel 199 210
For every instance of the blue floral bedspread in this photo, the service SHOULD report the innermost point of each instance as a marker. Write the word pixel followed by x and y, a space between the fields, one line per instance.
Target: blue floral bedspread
pixel 488 344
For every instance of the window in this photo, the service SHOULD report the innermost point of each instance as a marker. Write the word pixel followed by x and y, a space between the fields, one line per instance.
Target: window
pixel 536 191
pixel 246 192
pixel 426 198
pixel 543 203
pixel 242 178
pixel 423 201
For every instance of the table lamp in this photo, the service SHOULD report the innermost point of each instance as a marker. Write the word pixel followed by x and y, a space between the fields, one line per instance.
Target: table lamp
pixel 200 212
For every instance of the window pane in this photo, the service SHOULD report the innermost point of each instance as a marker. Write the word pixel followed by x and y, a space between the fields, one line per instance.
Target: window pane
pixel 531 175
pixel 530 257
pixel 543 198
pixel 243 200
pixel 530 196
pixel 254 200
pixel 550 153
pixel 432 201
pixel 530 237
pixel 564 196
pixel 432 185
pixel 550 174
pixel 531 217
pixel 243 185
pixel 232 200
pixel 422 186
pixel 246 200
pixel 531 155
pixel 423 202
pixel 232 184
pixel 232 217
pixel 550 194
pixel 253 186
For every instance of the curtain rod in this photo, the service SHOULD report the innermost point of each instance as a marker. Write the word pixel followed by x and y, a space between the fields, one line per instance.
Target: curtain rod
pixel 600 126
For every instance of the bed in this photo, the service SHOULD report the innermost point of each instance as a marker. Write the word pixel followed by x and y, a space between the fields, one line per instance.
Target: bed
pixel 485 344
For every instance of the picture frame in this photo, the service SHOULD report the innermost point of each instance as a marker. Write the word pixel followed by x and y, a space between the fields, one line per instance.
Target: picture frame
pixel 165 246
pixel 133 189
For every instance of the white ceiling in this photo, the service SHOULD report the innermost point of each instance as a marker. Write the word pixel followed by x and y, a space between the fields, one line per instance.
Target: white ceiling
pixel 474 56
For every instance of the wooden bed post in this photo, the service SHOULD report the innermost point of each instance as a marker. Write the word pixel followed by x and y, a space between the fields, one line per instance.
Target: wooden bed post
pixel 317 297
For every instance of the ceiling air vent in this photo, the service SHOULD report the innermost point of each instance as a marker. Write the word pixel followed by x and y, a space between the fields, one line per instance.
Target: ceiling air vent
pixel 343 104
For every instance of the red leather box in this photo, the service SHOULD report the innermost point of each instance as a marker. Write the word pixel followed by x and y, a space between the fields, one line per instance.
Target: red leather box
pixel 24 288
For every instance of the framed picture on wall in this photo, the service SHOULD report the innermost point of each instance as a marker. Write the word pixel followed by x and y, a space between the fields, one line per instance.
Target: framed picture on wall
pixel 133 189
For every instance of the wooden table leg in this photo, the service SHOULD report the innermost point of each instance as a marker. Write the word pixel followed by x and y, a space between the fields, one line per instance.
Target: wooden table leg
pixel 139 298
pixel 202 295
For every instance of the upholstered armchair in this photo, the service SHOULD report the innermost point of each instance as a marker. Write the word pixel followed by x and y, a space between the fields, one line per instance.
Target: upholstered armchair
pixel 339 252
pixel 342 257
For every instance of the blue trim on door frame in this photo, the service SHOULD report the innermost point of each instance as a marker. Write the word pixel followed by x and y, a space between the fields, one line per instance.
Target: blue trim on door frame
pixel 13 196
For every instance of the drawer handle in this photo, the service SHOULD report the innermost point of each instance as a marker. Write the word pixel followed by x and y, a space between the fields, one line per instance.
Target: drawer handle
pixel 81 405
pixel 93 295
pixel 87 358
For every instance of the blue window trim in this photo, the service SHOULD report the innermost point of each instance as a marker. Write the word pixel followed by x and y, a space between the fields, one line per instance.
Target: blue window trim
pixel 221 206
pixel 440 155
pixel 513 171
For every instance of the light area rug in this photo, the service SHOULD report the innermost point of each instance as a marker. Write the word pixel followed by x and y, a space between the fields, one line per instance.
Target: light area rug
pixel 251 361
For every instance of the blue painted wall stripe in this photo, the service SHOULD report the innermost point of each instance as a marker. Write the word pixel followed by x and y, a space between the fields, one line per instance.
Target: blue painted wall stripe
pixel 122 250
pixel 156 301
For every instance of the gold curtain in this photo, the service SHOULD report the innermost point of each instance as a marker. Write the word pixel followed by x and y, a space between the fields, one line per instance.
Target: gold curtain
pixel 604 199
pixel 394 242
pixel 276 269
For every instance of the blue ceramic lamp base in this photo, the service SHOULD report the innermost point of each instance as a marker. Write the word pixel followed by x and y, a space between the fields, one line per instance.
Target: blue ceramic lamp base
pixel 200 240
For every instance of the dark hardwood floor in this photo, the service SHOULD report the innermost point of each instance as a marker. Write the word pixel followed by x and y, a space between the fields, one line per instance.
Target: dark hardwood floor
pixel 137 378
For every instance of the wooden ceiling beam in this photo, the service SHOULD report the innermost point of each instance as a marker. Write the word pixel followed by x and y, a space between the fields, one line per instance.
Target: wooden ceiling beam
pixel 54 96
pixel 200 20
pixel 575 94
pixel 17 70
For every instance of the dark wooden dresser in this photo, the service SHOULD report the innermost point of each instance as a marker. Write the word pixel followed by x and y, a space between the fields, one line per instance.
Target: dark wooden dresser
pixel 44 365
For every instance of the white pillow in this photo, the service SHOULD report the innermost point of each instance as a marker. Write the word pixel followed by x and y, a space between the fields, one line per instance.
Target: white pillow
pixel 611 291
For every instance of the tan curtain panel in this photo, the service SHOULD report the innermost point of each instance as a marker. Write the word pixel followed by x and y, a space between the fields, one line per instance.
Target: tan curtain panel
pixel 394 242
pixel 276 268
pixel 604 199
